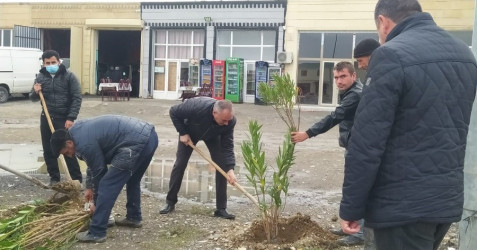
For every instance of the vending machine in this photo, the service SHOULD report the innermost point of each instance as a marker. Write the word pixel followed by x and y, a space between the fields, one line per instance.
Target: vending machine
pixel 205 72
pixel 261 76
pixel 205 77
pixel 194 72
pixel 273 69
pixel 234 79
pixel 218 73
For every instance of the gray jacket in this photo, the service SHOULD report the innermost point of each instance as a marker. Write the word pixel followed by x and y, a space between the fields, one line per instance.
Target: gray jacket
pixel 110 139
pixel 62 93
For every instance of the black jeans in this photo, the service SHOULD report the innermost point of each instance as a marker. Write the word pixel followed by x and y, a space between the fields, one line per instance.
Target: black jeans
pixel 182 158
pixel 50 159
pixel 416 236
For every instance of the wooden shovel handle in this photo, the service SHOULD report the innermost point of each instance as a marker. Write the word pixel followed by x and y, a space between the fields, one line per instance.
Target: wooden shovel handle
pixel 52 128
pixel 223 173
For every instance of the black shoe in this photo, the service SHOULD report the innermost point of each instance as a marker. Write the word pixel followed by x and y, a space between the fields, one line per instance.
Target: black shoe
pixel 222 213
pixel 350 240
pixel 338 232
pixel 53 182
pixel 129 223
pixel 87 237
pixel 167 209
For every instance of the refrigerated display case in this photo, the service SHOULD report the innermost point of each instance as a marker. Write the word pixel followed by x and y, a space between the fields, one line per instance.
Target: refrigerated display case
pixel 261 76
pixel 218 76
pixel 194 73
pixel 273 69
pixel 205 78
pixel 234 79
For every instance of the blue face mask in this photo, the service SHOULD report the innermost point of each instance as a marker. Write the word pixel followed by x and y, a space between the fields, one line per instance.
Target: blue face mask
pixel 52 69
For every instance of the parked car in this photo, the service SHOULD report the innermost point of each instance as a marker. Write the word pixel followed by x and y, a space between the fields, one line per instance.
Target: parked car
pixel 18 69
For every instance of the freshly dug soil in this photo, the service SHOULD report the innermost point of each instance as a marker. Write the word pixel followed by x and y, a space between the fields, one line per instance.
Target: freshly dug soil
pixel 297 231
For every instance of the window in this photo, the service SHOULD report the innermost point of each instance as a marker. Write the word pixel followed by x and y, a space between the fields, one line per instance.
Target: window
pixel 252 45
pixel 338 45
pixel 318 52
pixel 310 45
pixel 5 38
pixel 179 44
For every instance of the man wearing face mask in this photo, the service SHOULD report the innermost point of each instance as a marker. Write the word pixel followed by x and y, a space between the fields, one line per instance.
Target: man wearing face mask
pixel 62 93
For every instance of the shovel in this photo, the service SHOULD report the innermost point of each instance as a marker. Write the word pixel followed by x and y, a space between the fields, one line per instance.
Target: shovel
pixel 33 179
pixel 62 158
pixel 223 173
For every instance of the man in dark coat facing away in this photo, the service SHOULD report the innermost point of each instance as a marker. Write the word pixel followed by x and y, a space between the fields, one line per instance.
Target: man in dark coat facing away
pixel 404 167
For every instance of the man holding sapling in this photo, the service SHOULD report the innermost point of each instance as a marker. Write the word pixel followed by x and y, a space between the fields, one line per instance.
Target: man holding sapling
pixel 349 97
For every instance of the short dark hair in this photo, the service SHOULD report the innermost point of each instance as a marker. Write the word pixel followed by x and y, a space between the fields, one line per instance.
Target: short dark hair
pixel 58 140
pixel 50 53
pixel 344 65
pixel 396 10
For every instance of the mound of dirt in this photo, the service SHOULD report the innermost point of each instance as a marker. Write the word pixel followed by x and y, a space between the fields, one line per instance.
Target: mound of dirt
pixel 295 231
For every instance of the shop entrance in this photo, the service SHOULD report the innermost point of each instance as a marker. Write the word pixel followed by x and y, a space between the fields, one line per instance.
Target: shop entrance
pixel 118 57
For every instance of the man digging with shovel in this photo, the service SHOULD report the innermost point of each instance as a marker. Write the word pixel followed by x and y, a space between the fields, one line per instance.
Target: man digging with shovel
pixel 128 145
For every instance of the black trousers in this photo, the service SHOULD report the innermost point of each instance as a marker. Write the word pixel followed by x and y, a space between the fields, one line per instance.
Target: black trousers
pixel 416 236
pixel 182 158
pixel 50 160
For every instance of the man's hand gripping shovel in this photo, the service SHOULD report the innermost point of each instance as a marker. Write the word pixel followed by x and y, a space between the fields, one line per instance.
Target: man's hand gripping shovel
pixel 76 184
pixel 223 173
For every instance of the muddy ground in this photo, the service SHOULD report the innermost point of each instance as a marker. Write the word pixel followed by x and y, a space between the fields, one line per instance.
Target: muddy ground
pixel 315 183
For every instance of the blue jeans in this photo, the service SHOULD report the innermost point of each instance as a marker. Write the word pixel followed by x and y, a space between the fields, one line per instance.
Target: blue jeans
pixel 113 182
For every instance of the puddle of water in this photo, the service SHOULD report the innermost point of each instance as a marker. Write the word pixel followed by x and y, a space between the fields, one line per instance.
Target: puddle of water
pixel 198 183
pixel 21 157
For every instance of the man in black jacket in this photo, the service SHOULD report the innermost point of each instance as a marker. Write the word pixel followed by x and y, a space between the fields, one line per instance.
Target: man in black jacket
pixel 349 96
pixel 62 93
pixel 127 145
pixel 404 167
pixel 212 121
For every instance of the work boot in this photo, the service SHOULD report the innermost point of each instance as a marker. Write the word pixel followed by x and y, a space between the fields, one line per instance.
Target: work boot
pixel 129 223
pixel 338 232
pixel 350 240
pixel 111 221
pixel 167 209
pixel 88 238
pixel 222 213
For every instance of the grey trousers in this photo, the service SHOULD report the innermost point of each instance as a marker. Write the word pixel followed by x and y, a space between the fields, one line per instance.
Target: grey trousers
pixel 468 230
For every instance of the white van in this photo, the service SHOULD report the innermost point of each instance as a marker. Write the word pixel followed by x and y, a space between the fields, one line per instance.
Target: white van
pixel 18 69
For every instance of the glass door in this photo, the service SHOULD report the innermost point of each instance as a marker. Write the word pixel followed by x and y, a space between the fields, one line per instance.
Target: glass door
pixel 328 90
pixel 249 90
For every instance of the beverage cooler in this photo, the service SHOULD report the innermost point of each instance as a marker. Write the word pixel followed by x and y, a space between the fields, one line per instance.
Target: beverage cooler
pixel 205 73
pixel 234 79
pixel 261 75
pixel 273 69
pixel 218 73
pixel 194 73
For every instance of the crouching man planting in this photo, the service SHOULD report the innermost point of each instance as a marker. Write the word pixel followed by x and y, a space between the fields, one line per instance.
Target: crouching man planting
pixel 128 145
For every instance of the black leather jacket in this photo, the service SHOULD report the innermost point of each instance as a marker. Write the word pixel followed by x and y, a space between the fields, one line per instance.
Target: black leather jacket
pixel 62 93
pixel 343 115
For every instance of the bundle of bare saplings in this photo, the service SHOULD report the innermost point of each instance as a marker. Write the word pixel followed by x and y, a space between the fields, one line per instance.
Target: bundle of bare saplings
pixel 48 224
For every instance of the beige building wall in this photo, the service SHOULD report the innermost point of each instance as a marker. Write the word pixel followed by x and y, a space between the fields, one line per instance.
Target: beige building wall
pixel 352 15
pixel 83 19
